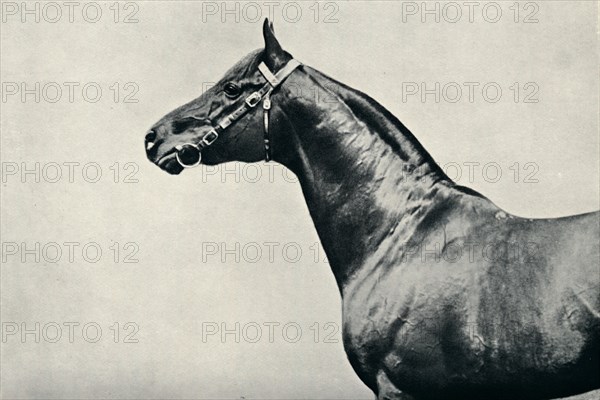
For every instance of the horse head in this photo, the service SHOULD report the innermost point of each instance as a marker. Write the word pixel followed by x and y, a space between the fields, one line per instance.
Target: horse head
pixel 226 122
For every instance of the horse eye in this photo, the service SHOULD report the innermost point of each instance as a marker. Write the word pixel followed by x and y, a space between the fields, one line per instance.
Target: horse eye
pixel 231 90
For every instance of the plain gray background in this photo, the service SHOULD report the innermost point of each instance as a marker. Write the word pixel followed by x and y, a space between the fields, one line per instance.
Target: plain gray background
pixel 178 287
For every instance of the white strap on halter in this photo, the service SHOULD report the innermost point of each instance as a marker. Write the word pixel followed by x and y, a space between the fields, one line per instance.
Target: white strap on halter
pixel 276 79
pixel 272 79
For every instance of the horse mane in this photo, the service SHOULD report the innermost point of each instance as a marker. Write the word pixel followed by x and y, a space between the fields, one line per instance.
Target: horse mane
pixel 390 129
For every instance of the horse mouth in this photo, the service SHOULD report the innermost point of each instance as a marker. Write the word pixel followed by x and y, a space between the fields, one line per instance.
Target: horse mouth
pixel 170 164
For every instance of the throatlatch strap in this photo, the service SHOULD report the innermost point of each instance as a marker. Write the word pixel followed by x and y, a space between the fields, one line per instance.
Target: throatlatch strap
pixel 266 108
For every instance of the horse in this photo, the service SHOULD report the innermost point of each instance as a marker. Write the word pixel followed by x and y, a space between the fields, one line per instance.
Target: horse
pixel 444 294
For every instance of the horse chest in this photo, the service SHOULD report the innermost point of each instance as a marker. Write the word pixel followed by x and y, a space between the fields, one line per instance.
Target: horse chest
pixel 419 324
pixel 393 323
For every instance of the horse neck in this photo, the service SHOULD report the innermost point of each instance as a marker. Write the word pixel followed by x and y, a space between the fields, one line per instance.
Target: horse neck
pixel 363 174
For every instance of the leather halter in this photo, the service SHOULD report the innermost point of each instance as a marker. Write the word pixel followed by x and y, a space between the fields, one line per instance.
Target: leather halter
pixel 263 94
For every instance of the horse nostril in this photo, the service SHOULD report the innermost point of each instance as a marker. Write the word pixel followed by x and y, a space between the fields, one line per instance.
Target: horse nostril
pixel 151 136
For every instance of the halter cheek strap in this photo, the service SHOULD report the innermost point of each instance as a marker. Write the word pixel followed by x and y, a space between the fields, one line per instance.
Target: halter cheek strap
pixel 263 94
pixel 267 139
pixel 274 81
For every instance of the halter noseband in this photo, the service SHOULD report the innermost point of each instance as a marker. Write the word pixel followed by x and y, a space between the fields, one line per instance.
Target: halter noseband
pixel 263 94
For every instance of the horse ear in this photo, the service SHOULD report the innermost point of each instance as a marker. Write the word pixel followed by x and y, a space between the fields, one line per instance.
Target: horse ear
pixel 274 54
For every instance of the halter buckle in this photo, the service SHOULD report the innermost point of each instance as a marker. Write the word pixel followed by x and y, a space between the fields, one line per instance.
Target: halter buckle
pixel 210 138
pixel 267 104
pixel 253 99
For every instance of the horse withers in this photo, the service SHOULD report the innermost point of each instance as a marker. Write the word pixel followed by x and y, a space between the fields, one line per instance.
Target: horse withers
pixel 445 295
